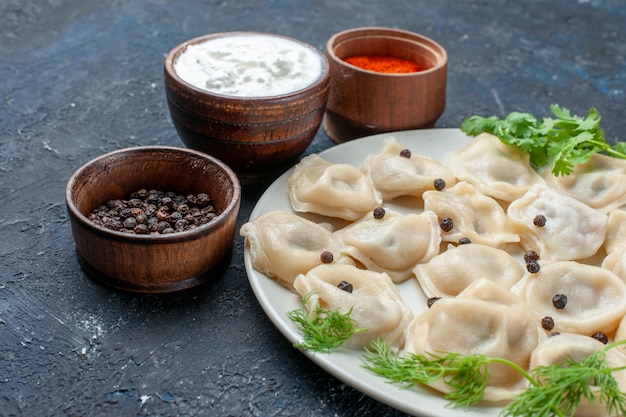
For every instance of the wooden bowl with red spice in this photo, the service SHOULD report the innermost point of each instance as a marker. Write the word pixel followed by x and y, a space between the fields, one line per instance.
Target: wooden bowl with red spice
pixel 383 80
pixel 122 208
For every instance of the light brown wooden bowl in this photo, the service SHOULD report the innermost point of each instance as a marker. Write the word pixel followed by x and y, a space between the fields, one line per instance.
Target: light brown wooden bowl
pixel 363 103
pixel 258 137
pixel 153 263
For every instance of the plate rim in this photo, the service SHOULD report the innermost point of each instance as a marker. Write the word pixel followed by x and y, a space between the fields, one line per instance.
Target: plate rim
pixel 402 399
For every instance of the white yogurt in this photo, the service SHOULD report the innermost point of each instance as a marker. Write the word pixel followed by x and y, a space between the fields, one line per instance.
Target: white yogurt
pixel 253 65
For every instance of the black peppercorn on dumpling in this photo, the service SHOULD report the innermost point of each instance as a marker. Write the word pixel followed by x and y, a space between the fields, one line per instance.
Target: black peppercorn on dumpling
pixel 395 172
pixel 283 245
pixel 473 215
pixel 486 319
pixel 394 243
pixel 572 230
pixel 595 297
pixel 375 301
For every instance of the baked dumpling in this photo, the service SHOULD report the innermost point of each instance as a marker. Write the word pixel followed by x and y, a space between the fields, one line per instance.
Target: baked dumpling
pixel 375 302
pixel 599 183
pixel 616 229
pixel 495 168
pixel 284 245
pixel 474 215
pixel 572 229
pixel 595 298
pixel 394 243
pixel 335 190
pixel 485 319
pixel 394 174
pixel 451 271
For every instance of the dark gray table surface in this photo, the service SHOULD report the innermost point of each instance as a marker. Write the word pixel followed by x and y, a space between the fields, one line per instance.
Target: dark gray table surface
pixel 81 78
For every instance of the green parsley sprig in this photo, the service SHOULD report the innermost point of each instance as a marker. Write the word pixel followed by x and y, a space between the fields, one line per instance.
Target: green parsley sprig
pixel 324 329
pixel 554 390
pixel 562 142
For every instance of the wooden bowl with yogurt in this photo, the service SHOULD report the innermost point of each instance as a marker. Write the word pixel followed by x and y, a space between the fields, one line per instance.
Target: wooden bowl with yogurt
pixel 253 100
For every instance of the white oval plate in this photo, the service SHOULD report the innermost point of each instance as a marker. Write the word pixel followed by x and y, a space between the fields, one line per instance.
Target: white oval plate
pixel 346 364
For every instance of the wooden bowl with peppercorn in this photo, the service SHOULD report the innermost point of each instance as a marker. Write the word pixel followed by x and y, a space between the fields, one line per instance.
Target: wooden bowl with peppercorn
pixel 253 100
pixel 153 219
pixel 383 80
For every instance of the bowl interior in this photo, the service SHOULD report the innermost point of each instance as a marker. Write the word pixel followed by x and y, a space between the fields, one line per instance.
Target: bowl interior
pixel 250 101
pixel 116 175
pixel 399 44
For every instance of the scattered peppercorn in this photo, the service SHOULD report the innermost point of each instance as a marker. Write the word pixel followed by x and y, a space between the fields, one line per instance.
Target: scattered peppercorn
pixel 601 337
pixel 539 220
pixel 555 334
pixel 405 153
pixel 379 213
pixel 530 255
pixel 432 300
pixel 533 267
pixel 547 323
pixel 154 212
pixel 326 257
pixel 559 301
pixel 446 224
pixel 346 286
pixel 464 241
pixel 439 184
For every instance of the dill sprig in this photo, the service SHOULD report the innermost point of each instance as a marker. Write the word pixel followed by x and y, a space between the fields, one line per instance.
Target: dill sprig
pixel 324 329
pixel 562 386
pixel 454 369
pixel 554 390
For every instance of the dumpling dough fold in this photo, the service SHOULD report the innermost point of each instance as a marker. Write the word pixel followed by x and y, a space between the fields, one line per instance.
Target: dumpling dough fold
pixel 572 230
pixel 283 245
pixel 394 175
pixel 495 168
pixel 451 271
pixel 375 302
pixel 474 215
pixel 393 244
pixel 556 349
pixel 616 261
pixel 483 319
pixel 596 297
pixel 335 190
pixel 616 229
pixel 600 183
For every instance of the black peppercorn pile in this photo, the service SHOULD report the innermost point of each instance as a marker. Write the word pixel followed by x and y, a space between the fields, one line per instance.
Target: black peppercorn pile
pixel 155 212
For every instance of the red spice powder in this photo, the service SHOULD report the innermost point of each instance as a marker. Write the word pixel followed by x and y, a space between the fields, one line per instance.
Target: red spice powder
pixel 383 63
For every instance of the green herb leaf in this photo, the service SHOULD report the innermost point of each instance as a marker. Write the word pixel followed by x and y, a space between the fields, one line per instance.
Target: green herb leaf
pixel 323 329
pixel 454 369
pixel 562 386
pixel 561 143
pixel 554 390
